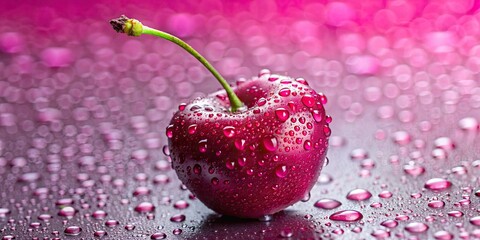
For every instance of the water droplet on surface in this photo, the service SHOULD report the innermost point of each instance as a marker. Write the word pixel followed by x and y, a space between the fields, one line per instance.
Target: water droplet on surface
pixel 229 131
pixel 359 195
pixel 67 211
pixel 72 231
pixel 389 223
pixel 286 233
pixel 282 114
pixel 266 218
pixel 270 143
pixel 178 218
pixel 197 169
pixel 443 235
pixel 413 169
pixel 327 203
pixel 358 154
pixel 284 92
pixel 436 204
pixel 308 100
pixel 437 184
pixel 202 146
pixel 444 143
pixel 416 227
pixel 281 171
pixel 240 144
pixel 157 236
pixel 380 234
pixel 475 220
pixel 111 223
pixel 99 214
pixel 192 129
pixel 317 115
pixel 455 213
pixel 346 216
pixel 144 207
pixel 181 204
pixel 385 194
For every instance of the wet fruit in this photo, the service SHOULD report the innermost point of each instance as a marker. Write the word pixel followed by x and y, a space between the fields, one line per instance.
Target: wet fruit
pixel 251 151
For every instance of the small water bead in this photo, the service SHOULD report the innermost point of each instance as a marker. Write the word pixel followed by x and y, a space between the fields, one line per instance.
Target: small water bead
pixel 358 154
pixel 469 124
pixel 317 116
pixel 72 231
pixel 99 233
pixel 197 169
pixel 327 203
pixel 281 171
pixel 413 169
pixel 157 236
pixel 229 131
pixel 141 191
pixel 477 193
pixel 144 207
pixel 169 131
pixel 42 217
pixel 286 233
pixel 192 129
pixel 380 234
pixel 282 114
pixel 239 144
pixel 389 223
pixel 129 227
pixel 67 211
pixel 416 227
pixel 284 92
pixel 324 178
pixel 444 143
pixel 443 235
pixel 436 204
pixel 215 180
pixel 202 146
pixel 376 205
pixel 99 214
pixel 475 220
pixel 308 100
pixel 402 217
pixel 359 195
pixel 401 138
pixel 178 218
pixel 437 184
pixel 111 223
pixel 455 213
pixel 307 145
pixel 270 143
pixel 385 194
pixel 181 204
pixel 346 216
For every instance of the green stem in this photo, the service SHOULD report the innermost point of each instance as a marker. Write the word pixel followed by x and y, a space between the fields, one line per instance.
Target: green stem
pixel 135 28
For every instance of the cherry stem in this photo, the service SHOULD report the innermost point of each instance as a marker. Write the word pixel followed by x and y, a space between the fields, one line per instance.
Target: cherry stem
pixel 133 27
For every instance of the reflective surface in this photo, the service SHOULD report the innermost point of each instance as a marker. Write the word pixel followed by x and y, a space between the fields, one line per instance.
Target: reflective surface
pixel 83 112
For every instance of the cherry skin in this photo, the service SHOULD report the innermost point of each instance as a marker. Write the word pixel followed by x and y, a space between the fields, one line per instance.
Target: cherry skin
pixel 255 161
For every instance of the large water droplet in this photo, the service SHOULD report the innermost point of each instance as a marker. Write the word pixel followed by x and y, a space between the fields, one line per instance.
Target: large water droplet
pixel 327 203
pixel 72 231
pixel 308 100
pixel 359 195
pixel 284 92
pixel 475 220
pixel 346 216
pixel 178 218
pixel 270 143
pixel 282 114
pixel 192 129
pixel 229 131
pixel 436 204
pixel 144 207
pixel 240 144
pixel 202 146
pixel 437 184
pixel 443 235
pixel 416 227
pixel 169 131
pixel 281 171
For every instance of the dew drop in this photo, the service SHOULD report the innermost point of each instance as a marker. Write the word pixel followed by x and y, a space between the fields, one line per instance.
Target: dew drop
pixel 380 233
pixel 286 233
pixel 358 154
pixel 202 146
pixel 159 235
pixel 475 220
pixel 455 213
pixel 181 204
pixel 229 131
pixel 72 231
pixel 327 203
pixel 469 124
pixel 192 129
pixel 317 115
pixel 436 204
pixel 197 169
pixel 413 169
pixel 346 216
pixel 444 143
pixel 389 223
pixel 281 171
pixel 144 207
pixel 307 145
pixel 240 144
pixel 282 114
pixel 416 227
pixel 170 131
pixel 437 184
pixel 270 144
pixel 308 100
pixel 359 195
pixel 178 218
pixel 284 92
pixel 443 235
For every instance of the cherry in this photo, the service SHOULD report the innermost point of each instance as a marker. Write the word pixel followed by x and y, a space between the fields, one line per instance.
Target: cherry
pixel 250 151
